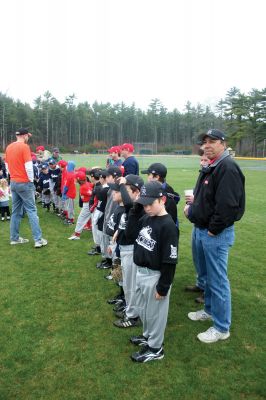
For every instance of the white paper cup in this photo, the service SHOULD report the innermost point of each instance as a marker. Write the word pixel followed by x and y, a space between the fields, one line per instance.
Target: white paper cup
pixel 188 192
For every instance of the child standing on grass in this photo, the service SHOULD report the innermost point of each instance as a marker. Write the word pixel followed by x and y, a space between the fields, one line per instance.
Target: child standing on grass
pixel 85 191
pixel 69 192
pixel 4 199
pixel 155 254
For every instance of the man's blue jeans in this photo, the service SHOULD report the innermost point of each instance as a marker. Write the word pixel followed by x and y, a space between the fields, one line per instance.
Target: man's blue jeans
pixel 200 270
pixel 23 198
pixel 213 254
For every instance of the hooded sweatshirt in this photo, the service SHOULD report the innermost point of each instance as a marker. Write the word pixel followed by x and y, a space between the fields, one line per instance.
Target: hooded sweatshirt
pixel 69 183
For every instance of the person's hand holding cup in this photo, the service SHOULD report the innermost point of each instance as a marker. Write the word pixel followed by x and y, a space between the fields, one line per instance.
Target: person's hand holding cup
pixel 189 197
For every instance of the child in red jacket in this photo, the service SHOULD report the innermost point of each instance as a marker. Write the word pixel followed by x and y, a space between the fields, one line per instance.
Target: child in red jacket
pixel 85 191
pixel 69 192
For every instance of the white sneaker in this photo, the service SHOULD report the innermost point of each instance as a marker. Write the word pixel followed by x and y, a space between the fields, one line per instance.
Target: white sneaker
pixel 212 335
pixel 2 219
pixel 19 241
pixel 40 243
pixel 200 315
pixel 74 237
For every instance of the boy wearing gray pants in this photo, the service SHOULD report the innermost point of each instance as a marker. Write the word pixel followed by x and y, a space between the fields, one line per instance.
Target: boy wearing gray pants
pixel 155 254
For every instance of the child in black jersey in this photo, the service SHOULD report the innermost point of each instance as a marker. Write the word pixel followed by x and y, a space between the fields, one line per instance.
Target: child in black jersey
pixel 155 254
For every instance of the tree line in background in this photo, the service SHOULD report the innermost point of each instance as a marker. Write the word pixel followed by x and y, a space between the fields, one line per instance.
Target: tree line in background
pixel 90 127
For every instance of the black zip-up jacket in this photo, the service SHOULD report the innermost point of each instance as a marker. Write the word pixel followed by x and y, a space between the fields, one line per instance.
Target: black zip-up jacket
pixel 219 196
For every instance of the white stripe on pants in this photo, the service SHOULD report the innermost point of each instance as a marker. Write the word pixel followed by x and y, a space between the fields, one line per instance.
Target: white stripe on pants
pixel 83 217
pixel 152 312
pixel 129 272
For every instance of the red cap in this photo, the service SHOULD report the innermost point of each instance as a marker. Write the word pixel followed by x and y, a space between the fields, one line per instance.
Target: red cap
pixel 80 175
pixel 127 146
pixel 82 169
pixel 62 163
pixel 40 148
pixel 114 149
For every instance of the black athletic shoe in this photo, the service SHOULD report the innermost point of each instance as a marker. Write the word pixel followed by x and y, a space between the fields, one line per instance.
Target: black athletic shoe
pixel 139 340
pixel 147 354
pixel 101 263
pixel 127 322
pixel 95 252
pixel 117 299
pixel 120 306
pixel 104 265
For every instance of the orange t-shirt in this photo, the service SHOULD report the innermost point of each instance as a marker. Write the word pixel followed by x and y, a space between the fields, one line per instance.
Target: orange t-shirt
pixel 17 154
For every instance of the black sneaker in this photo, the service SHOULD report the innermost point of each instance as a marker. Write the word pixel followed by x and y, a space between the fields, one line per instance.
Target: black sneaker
pixel 101 263
pixel 120 306
pixel 95 251
pixel 147 354
pixel 127 322
pixel 139 340
pixel 104 265
pixel 116 300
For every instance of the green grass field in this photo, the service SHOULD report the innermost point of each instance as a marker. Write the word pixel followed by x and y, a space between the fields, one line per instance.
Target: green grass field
pixel 57 340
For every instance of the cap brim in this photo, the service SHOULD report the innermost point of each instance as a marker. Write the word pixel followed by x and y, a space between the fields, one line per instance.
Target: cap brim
pixel 145 201
pixel 114 186
pixel 145 171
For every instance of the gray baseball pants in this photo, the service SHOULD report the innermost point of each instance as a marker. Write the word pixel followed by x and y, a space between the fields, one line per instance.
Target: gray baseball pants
pixel 152 312
pixel 129 272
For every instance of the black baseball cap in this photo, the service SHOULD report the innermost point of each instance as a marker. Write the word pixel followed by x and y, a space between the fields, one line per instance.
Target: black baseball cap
pixel 134 180
pixel 114 171
pixel 214 134
pixel 149 192
pixel 95 173
pixel 156 169
pixel 103 173
pixel 23 131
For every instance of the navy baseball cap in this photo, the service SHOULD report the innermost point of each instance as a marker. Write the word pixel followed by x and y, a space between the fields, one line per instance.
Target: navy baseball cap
pixel 156 169
pixel 149 192
pixel 214 134
pixel 114 186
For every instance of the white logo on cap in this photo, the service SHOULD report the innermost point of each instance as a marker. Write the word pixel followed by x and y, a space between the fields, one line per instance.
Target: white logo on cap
pixel 143 191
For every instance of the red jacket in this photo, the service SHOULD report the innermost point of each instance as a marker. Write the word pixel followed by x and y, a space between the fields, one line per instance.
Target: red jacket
pixel 86 191
pixel 70 183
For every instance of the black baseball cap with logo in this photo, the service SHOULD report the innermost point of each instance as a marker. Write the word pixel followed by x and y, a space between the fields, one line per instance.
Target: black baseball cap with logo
pixel 149 192
pixel 156 169
pixel 214 134
pixel 114 171
pixel 134 180
pixel 23 131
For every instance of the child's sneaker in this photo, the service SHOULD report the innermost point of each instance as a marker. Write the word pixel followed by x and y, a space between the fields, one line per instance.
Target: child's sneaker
pixel 147 354
pixel 74 237
pixel 212 335
pixel 20 240
pixel 127 322
pixel 200 315
pixel 40 243
pixel 139 340
pixel 2 219
pixel 8 218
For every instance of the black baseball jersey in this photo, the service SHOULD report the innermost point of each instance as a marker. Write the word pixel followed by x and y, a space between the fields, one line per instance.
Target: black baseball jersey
pixel 102 199
pixel 156 248
pixel 54 173
pixel 114 220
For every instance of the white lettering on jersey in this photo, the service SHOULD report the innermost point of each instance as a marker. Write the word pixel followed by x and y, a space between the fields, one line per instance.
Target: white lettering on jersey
pixel 111 223
pixel 144 239
pixel 173 252
pixel 122 222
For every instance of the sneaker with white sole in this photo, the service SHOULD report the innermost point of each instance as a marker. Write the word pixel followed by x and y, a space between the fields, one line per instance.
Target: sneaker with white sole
pixel 147 354
pixel 199 315
pixel 40 243
pixel 20 240
pixel 74 237
pixel 212 335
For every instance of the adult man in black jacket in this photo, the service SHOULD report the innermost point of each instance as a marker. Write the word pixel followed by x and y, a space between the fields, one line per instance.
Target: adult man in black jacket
pixel 219 201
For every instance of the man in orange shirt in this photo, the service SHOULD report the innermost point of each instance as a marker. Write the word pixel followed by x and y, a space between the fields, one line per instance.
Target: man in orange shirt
pixel 19 164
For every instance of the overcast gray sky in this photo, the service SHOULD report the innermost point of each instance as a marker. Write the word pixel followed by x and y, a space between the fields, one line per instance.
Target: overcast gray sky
pixel 132 51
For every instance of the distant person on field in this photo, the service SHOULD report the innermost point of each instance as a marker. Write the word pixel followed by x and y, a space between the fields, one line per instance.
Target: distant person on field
pixel 19 164
pixel 114 159
pixel 219 201
pixel 55 155
pixel 131 165
pixel 4 199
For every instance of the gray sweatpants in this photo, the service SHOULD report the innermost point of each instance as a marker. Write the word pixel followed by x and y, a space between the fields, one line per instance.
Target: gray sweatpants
pixel 129 272
pixel 69 207
pixel 152 312
pixel 83 217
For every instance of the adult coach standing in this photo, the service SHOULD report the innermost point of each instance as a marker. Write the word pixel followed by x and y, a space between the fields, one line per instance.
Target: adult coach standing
pixel 19 163
pixel 219 201
pixel 131 165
